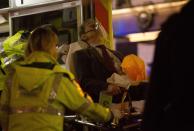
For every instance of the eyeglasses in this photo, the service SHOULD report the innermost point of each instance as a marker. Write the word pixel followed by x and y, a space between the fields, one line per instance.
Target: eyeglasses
pixel 89 31
pixel 94 27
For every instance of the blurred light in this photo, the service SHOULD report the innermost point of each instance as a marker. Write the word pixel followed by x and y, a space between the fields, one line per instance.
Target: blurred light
pixel 121 11
pixel 154 6
pixel 139 37
pixel 30 2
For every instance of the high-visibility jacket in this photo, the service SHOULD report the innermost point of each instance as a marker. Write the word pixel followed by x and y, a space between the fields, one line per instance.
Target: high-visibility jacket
pixel 12 50
pixel 10 44
pixel 2 79
pixel 38 94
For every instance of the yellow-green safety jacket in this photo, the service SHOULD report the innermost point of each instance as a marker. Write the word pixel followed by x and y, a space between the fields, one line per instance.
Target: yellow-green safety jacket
pixel 2 79
pixel 38 93
pixel 12 49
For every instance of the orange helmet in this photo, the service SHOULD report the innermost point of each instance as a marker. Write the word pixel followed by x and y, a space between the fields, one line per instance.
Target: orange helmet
pixel 134 67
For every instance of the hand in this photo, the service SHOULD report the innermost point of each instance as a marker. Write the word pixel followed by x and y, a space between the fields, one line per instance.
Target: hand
pixel 117 112
pixel 122 107
pixel 113 89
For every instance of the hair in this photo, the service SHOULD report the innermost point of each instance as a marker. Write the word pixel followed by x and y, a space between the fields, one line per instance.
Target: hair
pixel 42 39
pixel 89 22
pixel 50 26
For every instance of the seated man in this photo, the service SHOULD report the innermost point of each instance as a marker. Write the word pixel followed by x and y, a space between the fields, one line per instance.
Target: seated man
pixel 96 63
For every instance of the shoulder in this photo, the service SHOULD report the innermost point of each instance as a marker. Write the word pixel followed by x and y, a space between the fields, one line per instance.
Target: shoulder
pixel 73 47
pixel 64 71
pixel 77 46
pixel 74 44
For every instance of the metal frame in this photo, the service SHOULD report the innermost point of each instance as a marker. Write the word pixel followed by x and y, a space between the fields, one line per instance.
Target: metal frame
pixel 12 3
pixel 29 10
pixel 15 11
pixel 46 7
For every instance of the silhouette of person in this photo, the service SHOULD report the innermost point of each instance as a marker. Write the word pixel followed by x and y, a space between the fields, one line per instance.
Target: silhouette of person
pixel 169 104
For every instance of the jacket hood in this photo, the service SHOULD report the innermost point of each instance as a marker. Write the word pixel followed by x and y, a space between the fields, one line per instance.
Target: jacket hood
pixel 30 78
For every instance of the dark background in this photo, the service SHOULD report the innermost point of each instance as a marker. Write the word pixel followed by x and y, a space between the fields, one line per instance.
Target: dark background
pixel 4 3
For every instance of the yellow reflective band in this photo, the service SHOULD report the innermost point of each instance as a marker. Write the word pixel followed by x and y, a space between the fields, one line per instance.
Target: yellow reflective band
pixel 78 88
pixel 55 85
pixel 48 110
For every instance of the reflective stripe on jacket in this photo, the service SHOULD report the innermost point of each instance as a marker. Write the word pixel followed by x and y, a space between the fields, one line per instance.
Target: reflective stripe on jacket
pixel 34 99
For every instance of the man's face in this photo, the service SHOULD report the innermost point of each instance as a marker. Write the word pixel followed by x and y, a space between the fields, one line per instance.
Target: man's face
pixel 90 31
pixel 90 28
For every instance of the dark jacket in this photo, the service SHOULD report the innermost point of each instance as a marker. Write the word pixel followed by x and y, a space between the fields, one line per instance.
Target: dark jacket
pixel 92 73
pixel 169 105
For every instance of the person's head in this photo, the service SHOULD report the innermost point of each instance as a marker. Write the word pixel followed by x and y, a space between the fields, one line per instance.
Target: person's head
pixel 90 31
pixel 50 26
pixel 42 39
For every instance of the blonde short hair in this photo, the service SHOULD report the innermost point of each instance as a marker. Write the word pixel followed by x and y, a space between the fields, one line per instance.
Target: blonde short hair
pixel 41 39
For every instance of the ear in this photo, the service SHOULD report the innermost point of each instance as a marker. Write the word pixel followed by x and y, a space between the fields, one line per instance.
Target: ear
pixel 84 37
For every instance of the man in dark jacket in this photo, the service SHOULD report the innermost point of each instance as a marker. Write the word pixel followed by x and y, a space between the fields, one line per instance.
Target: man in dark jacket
pixel 96 63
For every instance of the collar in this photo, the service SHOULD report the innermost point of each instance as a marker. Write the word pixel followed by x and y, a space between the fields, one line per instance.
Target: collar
pixel 40 56
pixel 96 44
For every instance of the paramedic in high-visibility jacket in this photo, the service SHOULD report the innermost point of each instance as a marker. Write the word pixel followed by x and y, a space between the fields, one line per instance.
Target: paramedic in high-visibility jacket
pixel 38 92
